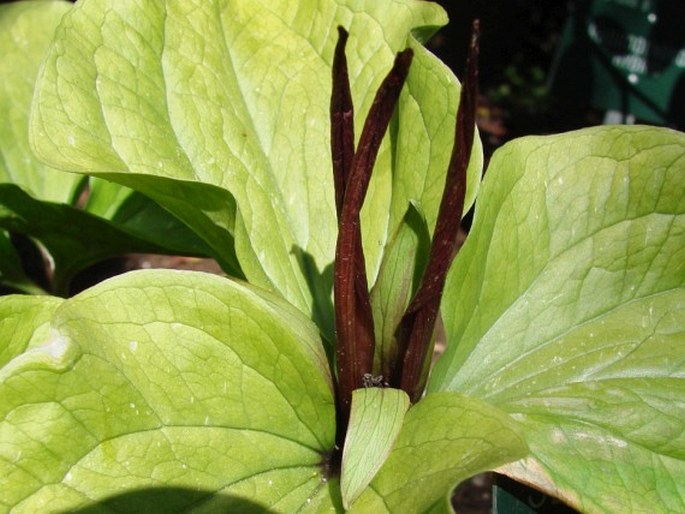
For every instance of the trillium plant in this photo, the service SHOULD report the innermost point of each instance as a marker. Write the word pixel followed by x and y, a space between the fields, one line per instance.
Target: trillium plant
pixel 324 158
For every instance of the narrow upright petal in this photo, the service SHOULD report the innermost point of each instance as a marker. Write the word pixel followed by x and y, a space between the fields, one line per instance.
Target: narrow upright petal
pixel 415 332
pixel 354 320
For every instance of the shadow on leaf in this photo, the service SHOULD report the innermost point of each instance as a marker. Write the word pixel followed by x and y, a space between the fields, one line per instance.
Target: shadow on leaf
pixel 321 288
pixel 165 500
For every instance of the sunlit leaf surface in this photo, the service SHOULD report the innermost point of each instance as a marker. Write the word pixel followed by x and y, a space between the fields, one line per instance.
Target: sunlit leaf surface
pixel 567 309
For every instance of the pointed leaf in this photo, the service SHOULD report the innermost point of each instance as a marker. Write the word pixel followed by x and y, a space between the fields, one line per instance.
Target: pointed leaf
pixel 398 277
pixel 445 439
pixel 566 307
pixel 375 421
pixel 342 121
pixel 415 334
pixel 353 316
pixel 161 379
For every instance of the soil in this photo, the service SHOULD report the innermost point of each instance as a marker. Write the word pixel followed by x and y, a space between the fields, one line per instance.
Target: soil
pixel 474 496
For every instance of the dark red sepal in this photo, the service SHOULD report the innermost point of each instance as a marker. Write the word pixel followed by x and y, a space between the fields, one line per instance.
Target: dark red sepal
pixel 353 318
pixel 415 331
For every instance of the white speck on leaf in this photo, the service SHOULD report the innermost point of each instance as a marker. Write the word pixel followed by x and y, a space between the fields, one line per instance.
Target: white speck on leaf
pixel 133 345
pixel 56 347
pixel 558 436
pixel 71 140
pixel 620 443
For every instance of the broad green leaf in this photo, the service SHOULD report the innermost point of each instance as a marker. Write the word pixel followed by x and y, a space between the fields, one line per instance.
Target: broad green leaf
pixel 571 457
pixel 375 420
pixel 232 98
pixel 24 321
pixel 167 379
pixel 73 238
pixel 566 308
pixel 446 438
pixel 22 48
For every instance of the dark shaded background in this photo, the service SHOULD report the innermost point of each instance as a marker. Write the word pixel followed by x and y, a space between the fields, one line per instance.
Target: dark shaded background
pixel 513 32
pixel 519 41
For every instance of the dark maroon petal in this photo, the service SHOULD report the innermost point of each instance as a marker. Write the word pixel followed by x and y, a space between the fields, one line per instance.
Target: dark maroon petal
pixel 342 121
pixel 416 328
pixel 353 317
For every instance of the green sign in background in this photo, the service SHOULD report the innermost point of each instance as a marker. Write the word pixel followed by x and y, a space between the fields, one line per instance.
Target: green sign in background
pixel 627 56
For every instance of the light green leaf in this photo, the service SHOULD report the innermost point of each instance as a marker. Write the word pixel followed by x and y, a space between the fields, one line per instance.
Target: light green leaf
pixel 232 98
pixel 375 420
pixel 571 457
pixel 398 279
pixel 44 205
pixel 446 438
pixel 167 379
pixel 24 321
pixel 566 307
pixel 22 48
